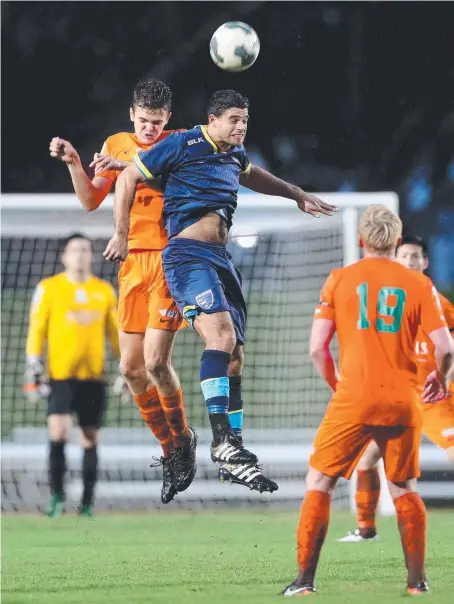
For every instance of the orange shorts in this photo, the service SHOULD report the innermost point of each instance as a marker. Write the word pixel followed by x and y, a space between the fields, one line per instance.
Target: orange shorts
pixel 144 299
pixel 338 447
pixel 438 422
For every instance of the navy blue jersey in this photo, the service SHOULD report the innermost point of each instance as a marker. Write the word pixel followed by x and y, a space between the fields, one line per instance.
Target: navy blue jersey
pixel 196 176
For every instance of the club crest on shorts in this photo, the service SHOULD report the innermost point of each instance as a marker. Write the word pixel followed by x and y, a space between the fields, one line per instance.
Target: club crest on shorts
pixel 205 299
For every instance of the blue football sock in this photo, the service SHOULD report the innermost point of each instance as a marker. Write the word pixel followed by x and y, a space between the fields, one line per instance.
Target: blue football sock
pixel 215 388
pixel 236 406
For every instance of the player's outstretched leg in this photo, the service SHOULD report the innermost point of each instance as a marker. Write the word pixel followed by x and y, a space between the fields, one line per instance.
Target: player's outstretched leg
pixel 226 446
pixel 158 350
pixel 152 413
pixel 248 475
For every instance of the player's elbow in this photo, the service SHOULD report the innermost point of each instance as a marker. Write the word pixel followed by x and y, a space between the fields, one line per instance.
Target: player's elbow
pixel 318 350
pixel 131 175
pixel 445 357
pixel 89 204
pixel 443 343
pixel 90 208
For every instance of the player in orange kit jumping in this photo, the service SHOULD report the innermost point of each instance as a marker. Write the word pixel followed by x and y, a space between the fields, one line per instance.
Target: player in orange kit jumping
pixel 376 306
pixel 148 318
pixel 437 419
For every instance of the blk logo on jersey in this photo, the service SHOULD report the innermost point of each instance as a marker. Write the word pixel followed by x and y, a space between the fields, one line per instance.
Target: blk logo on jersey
pixel 205 299
pixel 194 141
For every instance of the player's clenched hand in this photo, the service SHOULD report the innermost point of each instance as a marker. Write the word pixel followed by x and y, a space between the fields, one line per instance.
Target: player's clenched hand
pixel 117 248
pixel 63 150
pixel 313 205
pixel 434 390
pixel 101 163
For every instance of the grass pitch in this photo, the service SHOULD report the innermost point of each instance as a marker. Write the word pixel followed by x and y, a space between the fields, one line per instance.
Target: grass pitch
pixel 205 558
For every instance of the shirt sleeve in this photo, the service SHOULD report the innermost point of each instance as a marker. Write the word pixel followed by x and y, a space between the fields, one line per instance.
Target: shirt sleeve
pixel 160 158
pixel 112 323
pixel 325 306
pixel 432 316
pixel 39 319
pixel 107 149
pixel 246 165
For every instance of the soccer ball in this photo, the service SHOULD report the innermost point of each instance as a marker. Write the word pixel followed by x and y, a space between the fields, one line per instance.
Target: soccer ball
pixel 234 46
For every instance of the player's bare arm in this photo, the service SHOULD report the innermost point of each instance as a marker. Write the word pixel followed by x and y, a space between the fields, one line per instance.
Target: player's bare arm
pixel 436 386
pixel 261 181
pixel 102 162
pixel 117 248
pixel 322 333
pixel 91 193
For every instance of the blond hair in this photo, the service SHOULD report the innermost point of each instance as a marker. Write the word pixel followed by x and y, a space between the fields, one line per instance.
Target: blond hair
pixel 380 229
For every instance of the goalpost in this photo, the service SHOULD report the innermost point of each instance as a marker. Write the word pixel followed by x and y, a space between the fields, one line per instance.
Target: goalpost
pixel 284 257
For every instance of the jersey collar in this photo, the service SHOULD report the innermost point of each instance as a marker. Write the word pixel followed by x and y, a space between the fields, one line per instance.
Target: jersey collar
pixel 209 139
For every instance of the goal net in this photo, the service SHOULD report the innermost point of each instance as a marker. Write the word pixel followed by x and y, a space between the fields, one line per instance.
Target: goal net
pixel 284 257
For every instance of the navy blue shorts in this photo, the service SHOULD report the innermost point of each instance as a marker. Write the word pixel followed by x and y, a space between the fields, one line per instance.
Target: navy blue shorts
pixel 201 278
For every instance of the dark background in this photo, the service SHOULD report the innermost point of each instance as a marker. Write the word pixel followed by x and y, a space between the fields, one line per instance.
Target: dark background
pixel 344 96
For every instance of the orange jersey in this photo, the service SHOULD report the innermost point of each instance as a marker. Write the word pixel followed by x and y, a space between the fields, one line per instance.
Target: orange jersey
pixel 425 351
pixel 377 306
pixel 146 231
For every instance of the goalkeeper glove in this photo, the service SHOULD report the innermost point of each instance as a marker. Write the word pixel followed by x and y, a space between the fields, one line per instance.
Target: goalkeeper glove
pixel 121 389
pixel 35 386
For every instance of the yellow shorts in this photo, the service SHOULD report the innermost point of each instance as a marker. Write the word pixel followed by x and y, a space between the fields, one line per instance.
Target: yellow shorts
pixel 338 447
pixel 438 422
pixel 144 299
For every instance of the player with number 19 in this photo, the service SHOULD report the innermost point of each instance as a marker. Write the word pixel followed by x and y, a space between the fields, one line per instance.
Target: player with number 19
pixel 376 307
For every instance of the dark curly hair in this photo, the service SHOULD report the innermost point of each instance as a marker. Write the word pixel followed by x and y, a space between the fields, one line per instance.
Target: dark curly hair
pixel 414 240
pixel 222 100
pixel 150 93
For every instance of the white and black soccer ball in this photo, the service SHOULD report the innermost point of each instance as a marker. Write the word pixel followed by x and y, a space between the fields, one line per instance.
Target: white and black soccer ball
pixel 234 46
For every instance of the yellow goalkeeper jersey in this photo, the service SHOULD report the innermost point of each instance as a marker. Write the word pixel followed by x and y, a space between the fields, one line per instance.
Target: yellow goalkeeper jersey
pixel 74 319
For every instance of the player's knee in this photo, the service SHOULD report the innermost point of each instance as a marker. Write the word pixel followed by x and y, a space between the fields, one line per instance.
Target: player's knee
pixel 88 437
pixel 131 370
pixel 222 338
pixel 397 489
pixel 59 428
pixel 370 458
pixel 158 367
pixel 316 481
pixel 237 361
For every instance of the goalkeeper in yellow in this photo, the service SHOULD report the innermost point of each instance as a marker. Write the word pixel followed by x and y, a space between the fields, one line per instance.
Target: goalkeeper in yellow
pixel 72 312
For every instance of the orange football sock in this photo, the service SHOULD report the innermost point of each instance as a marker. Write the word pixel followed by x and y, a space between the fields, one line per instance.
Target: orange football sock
pixel 412 523
pixel 367 496
pixel 311 532
pixel 153 415
pixel 174 411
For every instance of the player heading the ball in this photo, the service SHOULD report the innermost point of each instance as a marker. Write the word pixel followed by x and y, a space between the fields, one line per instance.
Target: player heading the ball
pixel 201 171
